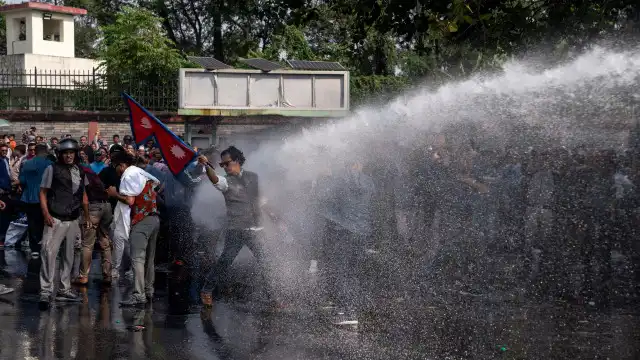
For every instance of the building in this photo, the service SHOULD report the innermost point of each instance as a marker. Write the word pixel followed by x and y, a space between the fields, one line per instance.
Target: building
pixel 40 60
pixel 43 84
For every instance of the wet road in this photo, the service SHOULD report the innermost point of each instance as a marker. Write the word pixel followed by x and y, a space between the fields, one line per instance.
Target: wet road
pixel 450 326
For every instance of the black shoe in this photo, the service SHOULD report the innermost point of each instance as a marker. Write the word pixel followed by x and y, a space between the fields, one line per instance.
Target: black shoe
pixel 68 296
pixel 45 300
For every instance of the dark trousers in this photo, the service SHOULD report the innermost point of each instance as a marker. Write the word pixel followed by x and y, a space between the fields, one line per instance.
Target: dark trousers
pixel 181 233
pixel 233 243
pixel 344 255
pixel 35 220
pixel 7 215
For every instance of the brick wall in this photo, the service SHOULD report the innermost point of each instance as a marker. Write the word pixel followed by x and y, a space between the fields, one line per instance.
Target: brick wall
pixel 76 129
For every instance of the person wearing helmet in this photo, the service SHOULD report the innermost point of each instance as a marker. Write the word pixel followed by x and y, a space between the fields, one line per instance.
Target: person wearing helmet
pixel 62 196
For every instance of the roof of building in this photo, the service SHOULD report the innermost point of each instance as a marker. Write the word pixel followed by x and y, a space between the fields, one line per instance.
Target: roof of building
pixel 43 7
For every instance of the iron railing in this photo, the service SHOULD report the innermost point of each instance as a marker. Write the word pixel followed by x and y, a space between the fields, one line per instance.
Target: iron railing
pixel 77 90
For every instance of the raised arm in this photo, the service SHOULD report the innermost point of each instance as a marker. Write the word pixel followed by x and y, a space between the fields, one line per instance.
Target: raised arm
pixel 218 182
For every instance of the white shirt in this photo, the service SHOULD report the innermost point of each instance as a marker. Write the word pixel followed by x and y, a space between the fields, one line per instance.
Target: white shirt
pixel 132 183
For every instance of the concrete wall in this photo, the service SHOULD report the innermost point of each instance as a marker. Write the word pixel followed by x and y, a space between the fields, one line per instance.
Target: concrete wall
pixel 35 42
pixel 14 46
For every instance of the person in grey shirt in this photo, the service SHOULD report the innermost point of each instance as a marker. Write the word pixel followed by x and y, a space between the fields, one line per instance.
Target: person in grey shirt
pixel 240 189
pixel 62 196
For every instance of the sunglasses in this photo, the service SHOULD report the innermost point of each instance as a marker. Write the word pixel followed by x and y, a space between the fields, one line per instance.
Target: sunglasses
pixel 225 164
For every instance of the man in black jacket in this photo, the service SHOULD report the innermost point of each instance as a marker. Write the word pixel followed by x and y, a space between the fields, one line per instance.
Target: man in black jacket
pixel 62 196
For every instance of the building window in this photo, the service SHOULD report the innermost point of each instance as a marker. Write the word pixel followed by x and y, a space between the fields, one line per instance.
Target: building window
pixel 52 30
pixel 21 26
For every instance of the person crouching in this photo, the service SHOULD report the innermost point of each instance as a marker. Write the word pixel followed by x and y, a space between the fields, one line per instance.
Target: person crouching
pixel 62 194
pixel 137 213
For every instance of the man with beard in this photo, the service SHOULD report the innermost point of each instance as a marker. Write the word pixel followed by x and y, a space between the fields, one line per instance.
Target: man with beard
pixel 62 195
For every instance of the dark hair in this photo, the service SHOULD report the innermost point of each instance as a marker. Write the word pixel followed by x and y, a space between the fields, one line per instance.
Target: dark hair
pixel 54 138
pixel 40 148
pixel 22 148
pixel 116 136
pixel 3 145
pixel 235 154
pixel 33 128
pixel 142 160
pixel 84 136
pixel 123 158
pixel 51 158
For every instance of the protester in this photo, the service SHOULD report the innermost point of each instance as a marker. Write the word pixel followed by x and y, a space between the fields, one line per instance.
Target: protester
pixel 62 195
pixel 96 227
pixel 116 141
pixel 137 217
pixel 242 198
pixel 6 213
pixel 31 179
pixel 130 149
pixel 86 148
pixel 17 159
pixel 111 178
pixel 101 161
pixel 29 135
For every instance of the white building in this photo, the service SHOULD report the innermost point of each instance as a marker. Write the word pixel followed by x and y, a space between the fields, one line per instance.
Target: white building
pixel 40 58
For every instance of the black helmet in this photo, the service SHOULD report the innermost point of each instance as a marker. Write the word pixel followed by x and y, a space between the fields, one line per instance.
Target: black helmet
pixel 68 144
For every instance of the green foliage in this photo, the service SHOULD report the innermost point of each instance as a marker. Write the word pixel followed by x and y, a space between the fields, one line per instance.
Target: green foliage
pixel 387 45
pixel 289 44
pixel 367 89
pixel 136 43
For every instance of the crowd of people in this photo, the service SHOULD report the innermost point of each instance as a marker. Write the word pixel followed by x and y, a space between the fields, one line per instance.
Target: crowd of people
pixel 551 222
pixel 76 195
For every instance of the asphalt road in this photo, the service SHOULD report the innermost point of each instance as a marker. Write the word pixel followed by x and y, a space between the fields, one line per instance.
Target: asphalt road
pixel 454 325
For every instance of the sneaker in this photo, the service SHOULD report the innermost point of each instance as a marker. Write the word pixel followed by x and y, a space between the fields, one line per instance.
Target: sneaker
pixel 45 299
pixel 35 255
pixel 1 245
pixel 68 296
pixel 5 289
pixel 115 274
pixel 133 301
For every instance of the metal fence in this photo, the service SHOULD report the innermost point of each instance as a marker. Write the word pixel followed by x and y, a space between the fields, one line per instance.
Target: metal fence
pixel 92 90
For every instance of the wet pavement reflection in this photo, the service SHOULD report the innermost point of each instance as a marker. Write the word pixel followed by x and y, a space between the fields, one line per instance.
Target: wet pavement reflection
pixel 455 326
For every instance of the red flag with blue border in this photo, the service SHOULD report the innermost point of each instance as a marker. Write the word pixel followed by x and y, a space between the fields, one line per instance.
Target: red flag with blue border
pixel 144 127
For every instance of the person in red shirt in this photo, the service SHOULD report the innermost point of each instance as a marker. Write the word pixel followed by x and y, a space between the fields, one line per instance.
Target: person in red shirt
pixel 137 191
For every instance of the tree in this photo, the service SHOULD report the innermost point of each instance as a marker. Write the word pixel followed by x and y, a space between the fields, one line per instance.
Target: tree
pixel 136 43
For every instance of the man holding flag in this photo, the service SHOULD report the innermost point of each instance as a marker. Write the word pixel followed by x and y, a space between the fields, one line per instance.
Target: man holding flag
pixel 179 158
